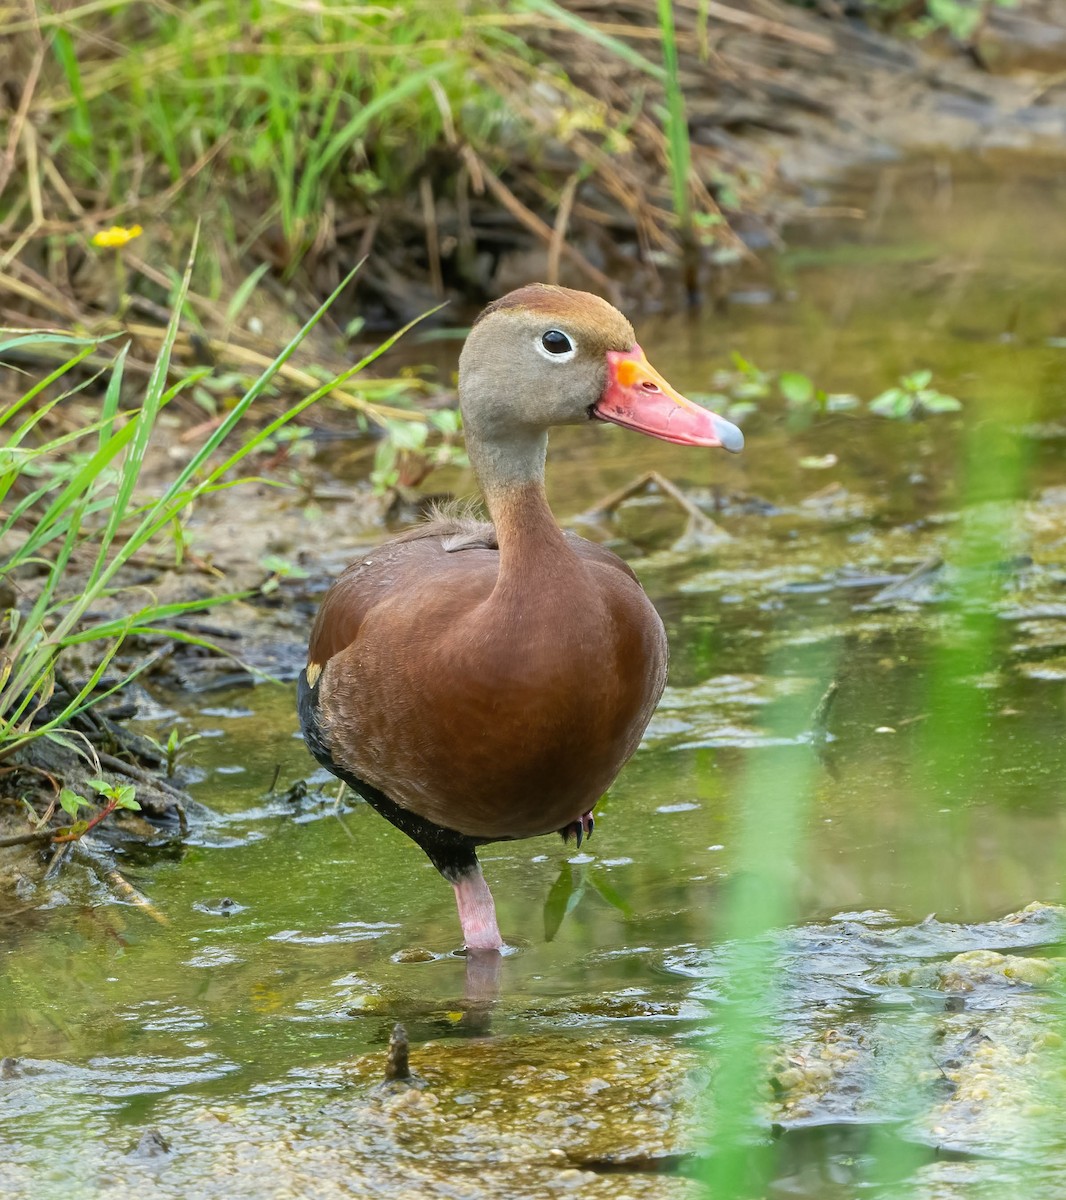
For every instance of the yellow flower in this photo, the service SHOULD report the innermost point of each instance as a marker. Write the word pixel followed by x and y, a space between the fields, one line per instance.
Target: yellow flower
pixel 116 235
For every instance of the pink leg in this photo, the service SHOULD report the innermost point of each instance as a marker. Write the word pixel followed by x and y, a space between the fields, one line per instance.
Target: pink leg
pixel 477 912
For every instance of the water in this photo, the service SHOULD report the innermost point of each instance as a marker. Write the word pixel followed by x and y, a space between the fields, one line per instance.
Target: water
pixel 299 931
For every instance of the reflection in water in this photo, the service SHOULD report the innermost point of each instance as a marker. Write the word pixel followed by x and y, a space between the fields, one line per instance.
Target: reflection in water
pixel 484 972
pixel 301 932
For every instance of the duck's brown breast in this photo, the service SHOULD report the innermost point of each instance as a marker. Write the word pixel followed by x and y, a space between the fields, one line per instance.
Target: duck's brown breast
pixel 494 714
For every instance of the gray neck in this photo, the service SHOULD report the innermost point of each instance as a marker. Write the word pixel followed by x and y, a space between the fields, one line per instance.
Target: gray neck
pixel 504 465
pixel 511 475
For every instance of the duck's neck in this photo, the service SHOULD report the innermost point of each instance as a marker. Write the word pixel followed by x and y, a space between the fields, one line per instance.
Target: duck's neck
pixel 511 475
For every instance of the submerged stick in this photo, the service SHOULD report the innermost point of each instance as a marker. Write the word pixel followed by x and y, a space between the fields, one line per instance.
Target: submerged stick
pixel 820 715
pixel 396 1064
pixel 40 837
pixel 120 884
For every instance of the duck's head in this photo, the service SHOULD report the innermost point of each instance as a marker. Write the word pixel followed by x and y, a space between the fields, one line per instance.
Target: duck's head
pixel 544 356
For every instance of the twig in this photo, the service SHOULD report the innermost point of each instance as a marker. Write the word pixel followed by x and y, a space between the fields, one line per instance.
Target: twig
pixel 40 837
pixel 562 220
pixel 429 218
pixel 761 26
pixel 396 1064
pixel 119 882
pixel 40 291
pixel 700 531
pixel 139 775
pixel 820 715
pixel 7 163
pixel 33 178
pixel 533 223
pixel 130 893
pixel 56 861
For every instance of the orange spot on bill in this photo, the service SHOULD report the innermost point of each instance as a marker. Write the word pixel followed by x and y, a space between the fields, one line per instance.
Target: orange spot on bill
pixel 626 372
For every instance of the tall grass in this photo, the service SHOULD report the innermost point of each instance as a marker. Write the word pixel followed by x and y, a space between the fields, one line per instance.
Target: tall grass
pixel 675 126
pixel 296 105
pixel 969 642
pixel 296 128
pixel 77 521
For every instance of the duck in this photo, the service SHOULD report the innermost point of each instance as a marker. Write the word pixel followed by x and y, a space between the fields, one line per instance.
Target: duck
pixel 478 682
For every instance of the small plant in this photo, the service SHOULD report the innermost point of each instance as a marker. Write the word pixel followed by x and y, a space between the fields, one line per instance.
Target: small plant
pixel 404 458
pixel 279 568
pixel 83 510
pixel 173 747
pixel 961 19
pixel 912 397
pixel 739 392
pixel 115 796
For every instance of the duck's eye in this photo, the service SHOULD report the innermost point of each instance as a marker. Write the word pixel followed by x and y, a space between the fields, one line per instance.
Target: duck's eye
pixel 556 342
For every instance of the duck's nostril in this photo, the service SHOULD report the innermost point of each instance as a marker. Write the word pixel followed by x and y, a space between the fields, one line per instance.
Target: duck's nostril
pixel 649 386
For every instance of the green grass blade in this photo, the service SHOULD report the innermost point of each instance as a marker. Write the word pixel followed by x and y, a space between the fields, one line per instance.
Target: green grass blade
pixel 586 29
pixel 63 45
pixel 80 483
pixel 113 394
pixel 244 293
pixel 358 125
pixel 47 381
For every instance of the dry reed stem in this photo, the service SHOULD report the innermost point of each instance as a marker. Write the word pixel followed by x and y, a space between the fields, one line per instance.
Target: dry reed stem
pixel 562 219
pixel 429 219
pixel 7 163
pixel 293 375
pixel 536 226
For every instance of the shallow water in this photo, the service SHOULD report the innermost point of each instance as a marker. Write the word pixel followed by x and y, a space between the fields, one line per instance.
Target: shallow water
pixel 298 932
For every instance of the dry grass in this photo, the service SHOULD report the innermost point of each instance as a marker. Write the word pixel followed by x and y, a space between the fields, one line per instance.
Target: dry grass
pixel 434 137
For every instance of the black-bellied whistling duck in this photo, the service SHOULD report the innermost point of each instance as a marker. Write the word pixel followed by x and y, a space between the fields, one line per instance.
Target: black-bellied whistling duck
pixel 480 682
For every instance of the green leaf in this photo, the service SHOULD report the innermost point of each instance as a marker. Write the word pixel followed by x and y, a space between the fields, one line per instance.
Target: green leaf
pixel 938 402
pixel 243 294
pixel 281 566
pixel 613 897
pixel 124 797
pixel 446 420
pixel 70 802
pixel 895 403
pixel 741 409
pixel 916 381
pixel 408 435
pixel 63 46
pixel 840 402
pixel 797 389
pixel 563 898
